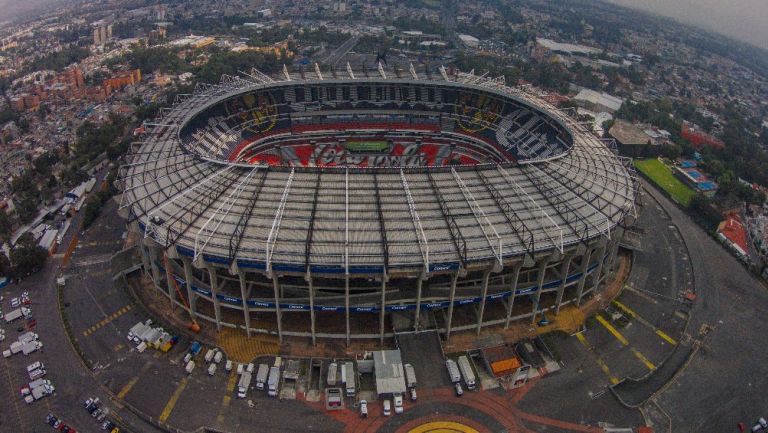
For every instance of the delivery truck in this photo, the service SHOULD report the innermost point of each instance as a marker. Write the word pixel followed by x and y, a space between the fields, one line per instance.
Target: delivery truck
pixel 243 385
pixel 410 376
pixel 467 372
pixel 261 376
pixel 272 381
pixel 350 379
pixel 453 371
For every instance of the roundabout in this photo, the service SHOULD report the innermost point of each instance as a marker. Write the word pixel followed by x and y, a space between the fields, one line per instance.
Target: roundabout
pixel 443 427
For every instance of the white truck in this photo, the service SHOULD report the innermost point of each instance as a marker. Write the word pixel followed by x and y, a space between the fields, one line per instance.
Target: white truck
pixel 30 347
pixel 332 368
pixel 39 392
pixel 243 385
pixel 261 376
pixel 209 355
pixel 190 367
pixel 136 331
pixel 211 369
pixel 14 314
pixel 467 372
pixel 39 382
pixel 272 381
pixel 218 357
pixel 37 374
pixel 350 379
pixel 35 366
pixel 27 337
pixel 410 376
pixel 16 347
pixel 453 371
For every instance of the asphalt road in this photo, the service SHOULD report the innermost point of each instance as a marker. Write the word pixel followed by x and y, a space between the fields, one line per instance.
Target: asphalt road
pixel 65 370
pixel 725 381
pixel 722 385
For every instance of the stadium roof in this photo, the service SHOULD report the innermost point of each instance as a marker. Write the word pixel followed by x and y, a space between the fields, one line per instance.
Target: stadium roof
pixel 353 220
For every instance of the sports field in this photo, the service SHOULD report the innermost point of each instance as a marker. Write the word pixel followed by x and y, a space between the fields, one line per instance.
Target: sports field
pixel 662 176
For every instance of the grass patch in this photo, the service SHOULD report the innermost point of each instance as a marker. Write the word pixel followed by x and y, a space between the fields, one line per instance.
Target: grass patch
pixel 662 176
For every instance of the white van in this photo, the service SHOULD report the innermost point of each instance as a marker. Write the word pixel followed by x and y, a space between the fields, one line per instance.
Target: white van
pixel 398 403
pixel 387 408
pixel 35 366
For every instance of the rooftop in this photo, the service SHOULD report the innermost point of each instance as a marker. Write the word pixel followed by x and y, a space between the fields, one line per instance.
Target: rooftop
pixel 390 376
pixel 627 133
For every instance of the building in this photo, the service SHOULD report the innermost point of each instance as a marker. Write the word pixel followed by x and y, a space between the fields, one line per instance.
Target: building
pixel 633 141
pixel 102 33
pixel 17 103
pixel 49 241
pixel 699 138
pixel 389 371
pixel 469 41
pixel 547 47
pixel 598 101
pixel 73 77
pixel 353 202
pixel 122 79
pixel 696 180
pixel 733 233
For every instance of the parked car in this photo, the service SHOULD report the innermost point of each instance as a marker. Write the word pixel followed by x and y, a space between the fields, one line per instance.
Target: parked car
pixel 364 408
pixel 398 403
pixel 459 390
pixel 387 408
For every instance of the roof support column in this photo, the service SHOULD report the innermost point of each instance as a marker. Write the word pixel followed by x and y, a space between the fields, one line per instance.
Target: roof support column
pixel 382 311
pixel 145 259
pixel 312 308
pixel 346 304
pixel 154 267
pixel 244 296
pixel 417 317
pixel 511 301
pixel 169 283
pixel 614 251
pixel 276 287
pixel 215 296
pixel 486 277
pixel 585 259
pixel 566 267
pixel 539 284
pixel 598 272
pixel 452 298
pixel 191 295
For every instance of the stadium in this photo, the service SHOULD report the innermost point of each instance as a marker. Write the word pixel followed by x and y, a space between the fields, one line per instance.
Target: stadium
pixel 353 204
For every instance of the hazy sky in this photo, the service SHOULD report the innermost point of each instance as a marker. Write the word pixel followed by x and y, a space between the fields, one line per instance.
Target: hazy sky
pixel 746 20
pixel 742 19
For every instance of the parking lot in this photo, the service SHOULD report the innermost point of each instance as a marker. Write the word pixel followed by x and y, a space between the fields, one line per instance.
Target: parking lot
pixel 630 339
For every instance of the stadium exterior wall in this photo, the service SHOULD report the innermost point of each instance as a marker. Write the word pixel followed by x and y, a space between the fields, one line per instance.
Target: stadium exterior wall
pixel 580 264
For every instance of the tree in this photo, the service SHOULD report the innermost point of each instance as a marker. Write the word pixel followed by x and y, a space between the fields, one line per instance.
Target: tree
pixel 27 257
pixel 6 270
pixel 670 151
pixel 6 226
